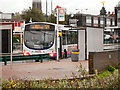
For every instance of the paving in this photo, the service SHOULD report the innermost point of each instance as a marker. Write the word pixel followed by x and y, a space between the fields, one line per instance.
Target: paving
pixel 47 69
pixel 36 70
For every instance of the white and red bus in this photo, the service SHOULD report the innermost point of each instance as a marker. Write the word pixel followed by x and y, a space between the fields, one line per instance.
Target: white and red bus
pixel 40 38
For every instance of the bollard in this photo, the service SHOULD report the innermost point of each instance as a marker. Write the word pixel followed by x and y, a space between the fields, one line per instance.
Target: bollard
pixel 5 60
pixel 41 58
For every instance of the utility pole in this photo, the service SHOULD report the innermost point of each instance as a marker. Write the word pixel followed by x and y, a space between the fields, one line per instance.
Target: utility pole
pixel 57 7
pixel 51 10
pixel 51 6
pixel 46 12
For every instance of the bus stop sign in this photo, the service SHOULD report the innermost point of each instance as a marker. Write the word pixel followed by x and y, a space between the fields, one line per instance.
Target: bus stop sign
pixel 61 14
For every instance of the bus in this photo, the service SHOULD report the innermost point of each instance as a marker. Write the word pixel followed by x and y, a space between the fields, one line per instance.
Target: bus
pixel 41 38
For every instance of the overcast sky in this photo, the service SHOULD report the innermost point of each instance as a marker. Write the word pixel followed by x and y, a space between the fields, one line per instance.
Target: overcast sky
pixel 93 6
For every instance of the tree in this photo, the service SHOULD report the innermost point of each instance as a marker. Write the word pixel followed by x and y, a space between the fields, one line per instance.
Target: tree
pixel 33 13
pixel 103 11
pixel 16 16
pixel 52 18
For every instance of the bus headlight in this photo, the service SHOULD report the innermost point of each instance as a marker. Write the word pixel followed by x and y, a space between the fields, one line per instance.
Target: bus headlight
pixel 26 53
pixel 51 54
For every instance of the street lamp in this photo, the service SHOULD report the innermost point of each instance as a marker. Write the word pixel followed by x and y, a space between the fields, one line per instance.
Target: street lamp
pixel 103 2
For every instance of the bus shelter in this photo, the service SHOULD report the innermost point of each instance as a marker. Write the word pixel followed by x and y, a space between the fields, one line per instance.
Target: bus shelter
pixel 2 33
pixel 90 39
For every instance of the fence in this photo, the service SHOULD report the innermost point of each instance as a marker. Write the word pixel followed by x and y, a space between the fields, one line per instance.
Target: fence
pixel 22 58
pixel 111 41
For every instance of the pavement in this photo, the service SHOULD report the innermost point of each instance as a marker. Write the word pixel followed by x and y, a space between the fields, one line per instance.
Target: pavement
pixel 47 69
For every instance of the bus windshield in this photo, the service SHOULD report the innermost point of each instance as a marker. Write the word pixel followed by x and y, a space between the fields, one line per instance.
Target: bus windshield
pixel 39 39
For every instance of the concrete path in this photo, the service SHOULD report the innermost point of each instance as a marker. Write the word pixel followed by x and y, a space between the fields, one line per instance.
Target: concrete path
pixel 37 70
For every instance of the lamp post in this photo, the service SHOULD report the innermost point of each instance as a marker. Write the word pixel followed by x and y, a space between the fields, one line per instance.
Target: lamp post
pixel 103 2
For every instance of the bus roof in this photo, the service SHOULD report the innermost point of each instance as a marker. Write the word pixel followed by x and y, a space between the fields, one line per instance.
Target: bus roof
pixel 40 22
pixel 61 27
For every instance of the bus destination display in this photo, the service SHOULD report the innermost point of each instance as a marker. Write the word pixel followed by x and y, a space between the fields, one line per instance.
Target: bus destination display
pixel 45 27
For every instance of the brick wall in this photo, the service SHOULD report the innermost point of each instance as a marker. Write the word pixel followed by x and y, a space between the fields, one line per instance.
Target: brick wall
pixel 101 60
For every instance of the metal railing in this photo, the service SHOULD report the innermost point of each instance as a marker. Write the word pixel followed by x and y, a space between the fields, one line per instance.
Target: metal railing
pixel 111 41
pixel 24 58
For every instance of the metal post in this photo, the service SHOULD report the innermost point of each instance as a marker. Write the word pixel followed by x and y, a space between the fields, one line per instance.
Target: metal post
pixel 11 50
pixel 46 11
pixel 21 39
pixel 103 25
pixel 51 10
pixel 57 31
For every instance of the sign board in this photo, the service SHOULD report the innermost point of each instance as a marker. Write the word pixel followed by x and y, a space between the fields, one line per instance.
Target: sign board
pixel 61 14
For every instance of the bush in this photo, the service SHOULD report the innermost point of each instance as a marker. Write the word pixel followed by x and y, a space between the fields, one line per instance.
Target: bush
pixel 104 74
pixel 111 68
pixel 118 66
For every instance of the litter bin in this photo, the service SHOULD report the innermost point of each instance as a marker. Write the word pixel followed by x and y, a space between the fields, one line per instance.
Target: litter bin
pixel 75 55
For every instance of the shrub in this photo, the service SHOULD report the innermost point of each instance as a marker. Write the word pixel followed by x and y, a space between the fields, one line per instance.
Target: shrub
pixel 118 66
pixel 111 68
pixel 104 74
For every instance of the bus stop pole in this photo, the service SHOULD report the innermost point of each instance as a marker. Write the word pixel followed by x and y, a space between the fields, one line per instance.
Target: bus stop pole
pixel 57 30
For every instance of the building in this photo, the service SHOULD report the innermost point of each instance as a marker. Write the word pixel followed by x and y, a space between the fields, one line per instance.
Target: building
pixel 117 21
pixel 6 19
pixel 87 20
pixel 117 15
pixel 37 4
pixel 5 15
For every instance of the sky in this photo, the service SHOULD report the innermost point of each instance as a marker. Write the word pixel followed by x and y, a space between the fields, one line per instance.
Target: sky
pixel 93 6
